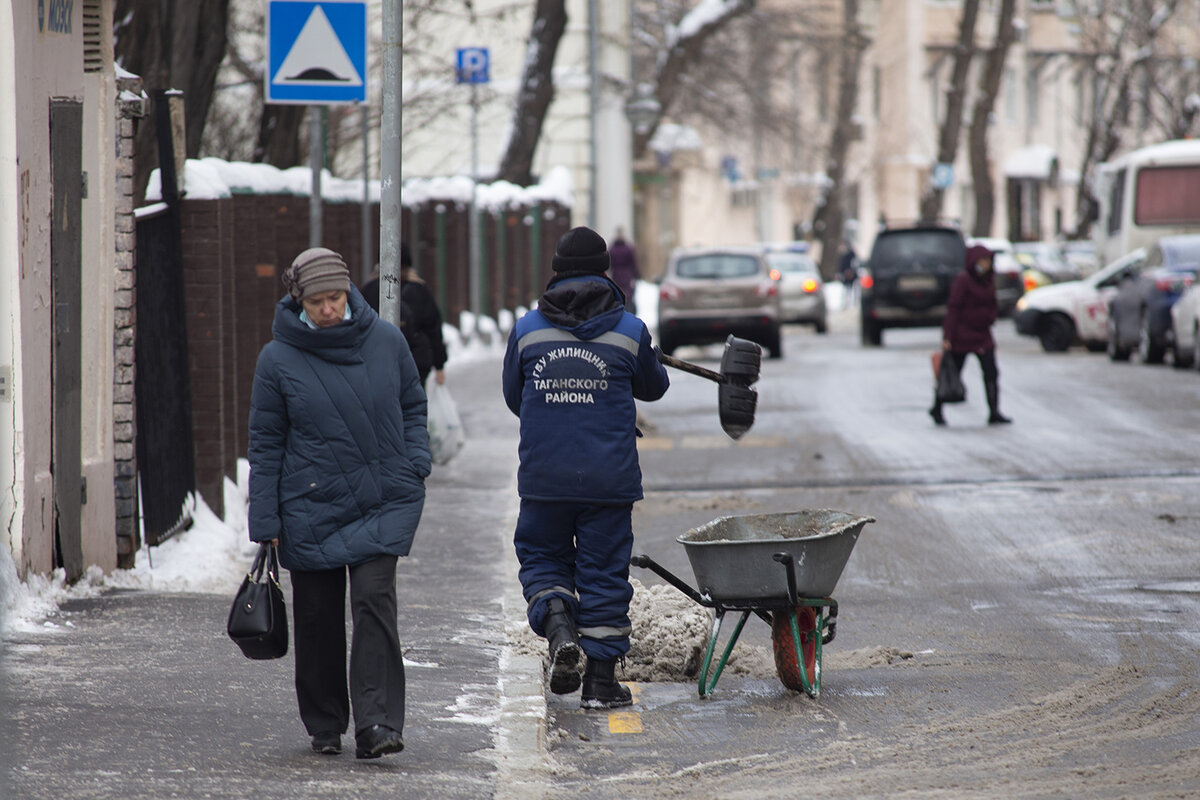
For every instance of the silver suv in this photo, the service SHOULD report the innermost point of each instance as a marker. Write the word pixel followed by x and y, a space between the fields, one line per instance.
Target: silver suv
pixel 709 293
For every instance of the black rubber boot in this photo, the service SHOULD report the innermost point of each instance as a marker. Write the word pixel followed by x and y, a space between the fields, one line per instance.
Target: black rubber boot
pixel 564 647
pixel 993 398
pixel 936 414
pixel 600 686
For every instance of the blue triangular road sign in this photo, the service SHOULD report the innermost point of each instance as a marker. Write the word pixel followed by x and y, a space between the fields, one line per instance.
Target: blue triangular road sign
pixel 316 52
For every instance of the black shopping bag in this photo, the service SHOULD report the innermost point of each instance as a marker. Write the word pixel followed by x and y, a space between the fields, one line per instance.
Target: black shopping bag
pixel 950 387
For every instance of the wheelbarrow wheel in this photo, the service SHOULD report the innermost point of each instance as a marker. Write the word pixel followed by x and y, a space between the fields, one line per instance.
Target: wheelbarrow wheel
pixel 785 650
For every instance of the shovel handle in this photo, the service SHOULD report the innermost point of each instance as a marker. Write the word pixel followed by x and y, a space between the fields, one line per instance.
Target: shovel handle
pixel 687 366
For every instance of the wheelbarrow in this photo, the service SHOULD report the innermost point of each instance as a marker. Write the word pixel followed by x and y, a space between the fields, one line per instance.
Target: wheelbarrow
pixel 781 567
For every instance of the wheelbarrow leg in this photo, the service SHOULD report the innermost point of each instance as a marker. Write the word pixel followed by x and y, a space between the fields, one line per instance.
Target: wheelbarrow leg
pixel 706 687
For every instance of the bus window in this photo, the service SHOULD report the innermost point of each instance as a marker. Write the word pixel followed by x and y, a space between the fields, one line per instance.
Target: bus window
pixel 1168 196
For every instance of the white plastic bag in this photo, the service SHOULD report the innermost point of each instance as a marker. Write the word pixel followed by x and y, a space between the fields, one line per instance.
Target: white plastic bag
pixel 446 436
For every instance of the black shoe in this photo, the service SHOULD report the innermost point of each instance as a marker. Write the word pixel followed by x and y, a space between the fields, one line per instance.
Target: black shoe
pixel 936 414
pixel 376 741
pixel 600 687
pixel 996 418
pixel 327 743
pixel 564 648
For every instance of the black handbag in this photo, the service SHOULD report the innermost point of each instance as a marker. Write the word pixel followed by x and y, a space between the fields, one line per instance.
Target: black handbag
pixel 950 387
pixel 258 618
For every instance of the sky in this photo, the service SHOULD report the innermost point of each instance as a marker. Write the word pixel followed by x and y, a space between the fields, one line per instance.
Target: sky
pixel 213 555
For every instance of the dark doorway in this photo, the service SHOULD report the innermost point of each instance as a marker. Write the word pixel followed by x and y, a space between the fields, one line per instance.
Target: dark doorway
pixel 66 270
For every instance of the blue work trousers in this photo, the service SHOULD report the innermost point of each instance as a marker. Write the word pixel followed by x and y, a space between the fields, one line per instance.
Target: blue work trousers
pixel 579 552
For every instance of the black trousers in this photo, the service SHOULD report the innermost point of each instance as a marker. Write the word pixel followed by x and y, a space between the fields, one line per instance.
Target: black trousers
pixel 991 376
pixel 376 687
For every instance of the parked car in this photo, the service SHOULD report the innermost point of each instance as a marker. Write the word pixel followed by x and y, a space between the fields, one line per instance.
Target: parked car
pixel 801 291
pixel 1185 328
pixel 1048 259
pixel 1081 254
pixel 708 293
pixel 1062 314
pixel 1007 272
pixel 906 281
pixel 1139 315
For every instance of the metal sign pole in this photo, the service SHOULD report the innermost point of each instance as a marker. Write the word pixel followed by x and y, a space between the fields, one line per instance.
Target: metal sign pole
pixel 315 163
pixel 473 227
pixel 389 172
pixel 368 256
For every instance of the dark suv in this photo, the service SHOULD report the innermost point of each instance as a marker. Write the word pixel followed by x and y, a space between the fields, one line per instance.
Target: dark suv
pixel 906 281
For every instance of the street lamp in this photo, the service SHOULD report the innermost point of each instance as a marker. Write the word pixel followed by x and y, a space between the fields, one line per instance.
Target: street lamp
pixel 642 109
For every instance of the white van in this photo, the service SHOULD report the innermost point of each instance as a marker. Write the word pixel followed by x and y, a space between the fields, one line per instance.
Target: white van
pixel 1147 194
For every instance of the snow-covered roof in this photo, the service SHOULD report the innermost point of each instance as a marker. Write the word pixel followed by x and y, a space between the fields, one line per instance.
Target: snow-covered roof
pixel 670 138
pixel 1033 161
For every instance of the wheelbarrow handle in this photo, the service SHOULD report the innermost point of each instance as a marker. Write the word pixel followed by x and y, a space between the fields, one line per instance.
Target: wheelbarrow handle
pixel 789 564
pixel 687 366
pixel 646 562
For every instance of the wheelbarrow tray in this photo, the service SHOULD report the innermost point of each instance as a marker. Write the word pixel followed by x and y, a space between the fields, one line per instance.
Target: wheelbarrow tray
pixel 733 558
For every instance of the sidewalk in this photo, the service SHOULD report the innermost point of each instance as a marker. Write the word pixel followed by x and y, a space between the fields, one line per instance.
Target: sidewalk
pixel 143 696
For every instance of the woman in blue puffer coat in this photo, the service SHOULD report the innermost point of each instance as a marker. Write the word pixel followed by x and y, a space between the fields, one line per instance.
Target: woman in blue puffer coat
pixel 339 453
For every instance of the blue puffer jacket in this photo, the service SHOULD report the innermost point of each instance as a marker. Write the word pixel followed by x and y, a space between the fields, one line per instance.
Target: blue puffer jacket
pixel 339 448
pixel 571 373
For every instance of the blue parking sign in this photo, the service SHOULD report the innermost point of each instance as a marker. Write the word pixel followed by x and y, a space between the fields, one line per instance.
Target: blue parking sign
pixel 473 65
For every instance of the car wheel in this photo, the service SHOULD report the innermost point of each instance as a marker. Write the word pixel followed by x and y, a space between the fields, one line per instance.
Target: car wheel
pixel 872 334
pixel 1181 357
pixel 821 325
pixel 774 344
pixel 1149 352
pixel 667 345
pixel 1056 332
pixel 1116 351
pixel 1196 346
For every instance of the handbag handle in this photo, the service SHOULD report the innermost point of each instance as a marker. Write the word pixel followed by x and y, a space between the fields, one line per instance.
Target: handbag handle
pixel 267 559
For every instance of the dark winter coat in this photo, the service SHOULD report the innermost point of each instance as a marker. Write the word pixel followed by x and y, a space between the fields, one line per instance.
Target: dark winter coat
pixel 571 373
pixel 423 326
pixel 971 310
pixel 623 267
pixel 339 449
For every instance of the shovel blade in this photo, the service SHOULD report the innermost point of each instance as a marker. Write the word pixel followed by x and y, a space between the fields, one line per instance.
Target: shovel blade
pixel 742 361
pixel 736 405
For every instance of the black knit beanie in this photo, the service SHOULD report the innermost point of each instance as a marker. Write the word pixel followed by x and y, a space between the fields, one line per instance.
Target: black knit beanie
pixel 581 250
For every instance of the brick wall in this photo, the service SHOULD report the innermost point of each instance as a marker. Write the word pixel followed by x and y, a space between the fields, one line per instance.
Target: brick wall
pixel 131 106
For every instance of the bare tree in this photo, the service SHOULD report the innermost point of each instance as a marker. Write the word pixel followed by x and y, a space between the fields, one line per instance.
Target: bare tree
pixel 171 44
pixel 1123 39
pixel 679 51
pixel 829 220
pixel 985 102
pixel 964 51
pixel 536 92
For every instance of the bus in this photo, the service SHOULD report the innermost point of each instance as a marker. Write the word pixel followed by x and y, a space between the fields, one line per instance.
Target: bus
pixel 1144 195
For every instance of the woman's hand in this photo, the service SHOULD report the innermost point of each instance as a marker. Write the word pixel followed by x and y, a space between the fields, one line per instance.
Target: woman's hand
pixel 440 377
pixel 945 344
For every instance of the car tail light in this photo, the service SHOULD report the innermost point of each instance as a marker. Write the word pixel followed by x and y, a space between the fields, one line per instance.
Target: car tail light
pixel 1030 283
pixel 775 274
pixel 809 286
pixel 866 281
pixel 669 292
pixel 1173 285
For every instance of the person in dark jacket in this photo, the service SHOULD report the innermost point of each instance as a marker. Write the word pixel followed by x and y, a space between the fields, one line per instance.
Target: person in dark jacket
pixel 967 328
pixel 420 318
pixel 624 269
pixel 339 453
pixel 572 371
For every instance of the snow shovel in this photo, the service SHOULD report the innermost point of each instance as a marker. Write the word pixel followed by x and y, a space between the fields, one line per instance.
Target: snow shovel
pixel 740 366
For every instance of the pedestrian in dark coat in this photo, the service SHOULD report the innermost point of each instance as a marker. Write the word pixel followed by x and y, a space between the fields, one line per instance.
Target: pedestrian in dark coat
pixel 624 269
pixel 572 371
pixel 967 328
pixel 424 325
pixel 339 453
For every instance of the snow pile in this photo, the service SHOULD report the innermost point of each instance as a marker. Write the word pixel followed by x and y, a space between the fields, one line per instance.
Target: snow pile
pixel 214 178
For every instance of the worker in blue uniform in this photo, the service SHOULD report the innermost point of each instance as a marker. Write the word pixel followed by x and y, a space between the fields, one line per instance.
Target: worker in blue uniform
pixel 572 372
